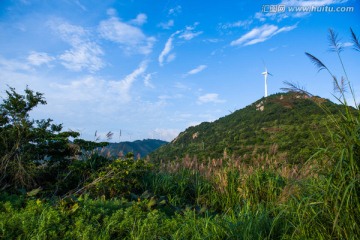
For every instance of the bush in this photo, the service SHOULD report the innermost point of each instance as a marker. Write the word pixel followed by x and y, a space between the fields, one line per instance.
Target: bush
pixel 120 178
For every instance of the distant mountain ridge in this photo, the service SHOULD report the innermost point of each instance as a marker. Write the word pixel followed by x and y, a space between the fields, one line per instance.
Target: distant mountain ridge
pixel 291 124
pixel 139 148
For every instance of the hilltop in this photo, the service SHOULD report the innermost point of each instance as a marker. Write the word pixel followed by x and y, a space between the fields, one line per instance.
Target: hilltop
pixel 291 124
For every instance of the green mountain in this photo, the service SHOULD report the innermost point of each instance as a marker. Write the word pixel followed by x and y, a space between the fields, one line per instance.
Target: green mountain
pixel 138 147
pixel 291 124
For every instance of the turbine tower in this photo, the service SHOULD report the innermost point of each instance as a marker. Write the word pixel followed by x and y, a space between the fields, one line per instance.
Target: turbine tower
pixel 266 73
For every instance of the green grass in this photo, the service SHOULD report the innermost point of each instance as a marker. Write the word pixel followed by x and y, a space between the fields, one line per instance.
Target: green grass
pixel 121 219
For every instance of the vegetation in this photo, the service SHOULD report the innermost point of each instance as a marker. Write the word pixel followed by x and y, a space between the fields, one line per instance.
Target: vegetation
pixel 50 192
pixel 140 148
pixel 25 143
pixel 293 121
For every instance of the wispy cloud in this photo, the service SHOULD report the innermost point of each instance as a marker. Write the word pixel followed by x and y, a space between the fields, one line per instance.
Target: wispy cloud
pixel 165 55
pixel 175 11
pixel 147 80
pixel 166 25
pixel 97 89
pixel 237 24
pixel 347 44
pixel 213 40
pixel 165 98
pixel 210 98
pixel 87 88
pixel 124 85
pixel 84 54
pixel 86 101
pixel 189 32
pixel 130 38
pixel 13 65
pixel 78 3
pixel 39 58
pixel 260 34
pixel 34 59
pixel 196 70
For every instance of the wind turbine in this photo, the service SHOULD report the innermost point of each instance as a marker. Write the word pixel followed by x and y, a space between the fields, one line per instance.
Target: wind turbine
pixel 266 73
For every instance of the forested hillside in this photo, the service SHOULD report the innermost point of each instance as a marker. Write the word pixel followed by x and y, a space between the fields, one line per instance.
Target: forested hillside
pixel 288 123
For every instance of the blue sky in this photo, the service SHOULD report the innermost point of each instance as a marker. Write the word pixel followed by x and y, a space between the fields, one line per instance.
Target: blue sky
pixel 153 69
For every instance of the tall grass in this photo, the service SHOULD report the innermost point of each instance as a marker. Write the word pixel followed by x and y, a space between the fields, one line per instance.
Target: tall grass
pixel 332 208
pixel 122 219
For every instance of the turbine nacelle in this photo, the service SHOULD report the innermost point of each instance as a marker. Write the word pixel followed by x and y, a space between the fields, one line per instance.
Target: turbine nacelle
pixel 266 73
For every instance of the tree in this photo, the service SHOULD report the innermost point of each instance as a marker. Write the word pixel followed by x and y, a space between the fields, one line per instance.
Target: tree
pixel 26 145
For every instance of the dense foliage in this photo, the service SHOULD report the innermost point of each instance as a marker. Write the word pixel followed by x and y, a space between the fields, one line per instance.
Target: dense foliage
pixel 25 143
pixel 292 121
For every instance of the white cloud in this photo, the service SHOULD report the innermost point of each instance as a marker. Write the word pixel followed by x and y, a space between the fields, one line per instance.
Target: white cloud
pixel 39 58
pixel 260 34
pixel 147 80
pixel 78 3
pixel 167 48
pixel 196 70
pixel 85 89
pixel 72 34
pixel 95 89
pixel 244 23
pixel 139 20
pixel 166 25
pixel 165 55
pixel 13 65
pixel 124 85
pixel 131 38
pixel 84 54
pixel 210 98
pixel 189 35
pixel 212 40
pixel 273 49
pixel 261 16
pixel 189 32
pixel 171 57
pixel 347 44
pixel 175 11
